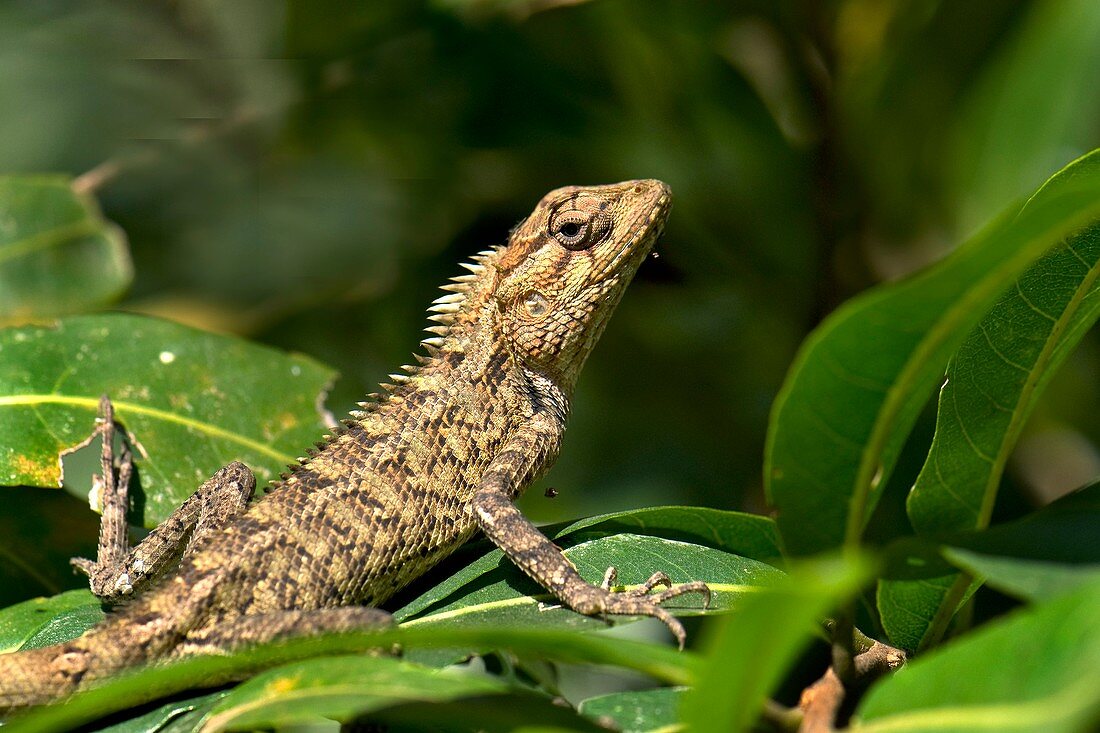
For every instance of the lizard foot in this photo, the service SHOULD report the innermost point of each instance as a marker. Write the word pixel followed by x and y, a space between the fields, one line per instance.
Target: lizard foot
pixel 641 601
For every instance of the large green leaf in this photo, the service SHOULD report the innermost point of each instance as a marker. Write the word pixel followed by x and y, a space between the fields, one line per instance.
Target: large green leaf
pixel 1034 670
pixel 993 384
pixel 504 595
pixel 748 535
pixel 995 379
pixel 192 401
pixel 860 379
pixel 753 647
pixel 57 253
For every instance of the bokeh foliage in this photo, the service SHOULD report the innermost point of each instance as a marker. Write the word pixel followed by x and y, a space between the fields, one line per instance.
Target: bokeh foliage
pixel 304 173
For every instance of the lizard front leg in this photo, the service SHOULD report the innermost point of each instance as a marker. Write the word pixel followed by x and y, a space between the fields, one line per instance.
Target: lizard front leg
pixel 537 556
pixel 118 568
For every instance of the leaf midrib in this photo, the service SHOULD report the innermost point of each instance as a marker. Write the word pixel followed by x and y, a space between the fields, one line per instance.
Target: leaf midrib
pixel 122 406
pixel 544 597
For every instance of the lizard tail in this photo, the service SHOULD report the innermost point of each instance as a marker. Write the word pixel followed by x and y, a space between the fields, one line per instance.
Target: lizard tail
pixel 26 678
pixel 127 637
pixel 39 676
pixel 48 674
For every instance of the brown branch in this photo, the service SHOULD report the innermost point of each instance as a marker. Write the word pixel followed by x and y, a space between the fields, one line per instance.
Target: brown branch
pixel 821 701
pixel 90 181
pixel 877 661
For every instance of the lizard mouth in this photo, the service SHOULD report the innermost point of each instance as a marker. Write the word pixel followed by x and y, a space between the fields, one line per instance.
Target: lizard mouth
pixel 647 228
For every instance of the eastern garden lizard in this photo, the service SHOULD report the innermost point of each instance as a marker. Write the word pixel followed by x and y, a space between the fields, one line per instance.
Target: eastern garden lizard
pixel 437 455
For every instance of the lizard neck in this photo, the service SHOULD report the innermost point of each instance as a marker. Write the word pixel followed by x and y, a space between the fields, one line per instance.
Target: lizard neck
pixel 468 353
pixel 469 374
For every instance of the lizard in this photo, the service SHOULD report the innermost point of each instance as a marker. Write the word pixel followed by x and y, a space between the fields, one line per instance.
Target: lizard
pixel 431 459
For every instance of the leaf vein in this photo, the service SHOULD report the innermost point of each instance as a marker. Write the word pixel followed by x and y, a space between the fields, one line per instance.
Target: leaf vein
pixel 205 428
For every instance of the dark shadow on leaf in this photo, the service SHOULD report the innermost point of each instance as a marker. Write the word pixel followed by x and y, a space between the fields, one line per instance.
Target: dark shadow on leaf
pixel 480 713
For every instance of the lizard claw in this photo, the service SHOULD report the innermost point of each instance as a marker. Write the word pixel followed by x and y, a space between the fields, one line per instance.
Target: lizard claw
pixel 641 601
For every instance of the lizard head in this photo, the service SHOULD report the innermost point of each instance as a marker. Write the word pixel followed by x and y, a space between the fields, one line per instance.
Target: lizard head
pixel 566 266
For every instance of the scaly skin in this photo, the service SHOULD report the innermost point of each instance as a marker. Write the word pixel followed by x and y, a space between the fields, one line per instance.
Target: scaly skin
pixel 430 460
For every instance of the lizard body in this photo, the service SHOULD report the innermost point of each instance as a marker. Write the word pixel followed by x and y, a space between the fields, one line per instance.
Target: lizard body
pixel 436 456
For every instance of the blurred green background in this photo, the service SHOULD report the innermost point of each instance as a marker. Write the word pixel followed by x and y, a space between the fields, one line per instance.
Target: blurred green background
pixel 305 173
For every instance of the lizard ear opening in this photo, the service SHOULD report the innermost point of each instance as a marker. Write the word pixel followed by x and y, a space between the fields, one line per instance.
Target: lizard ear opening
pixel 536 304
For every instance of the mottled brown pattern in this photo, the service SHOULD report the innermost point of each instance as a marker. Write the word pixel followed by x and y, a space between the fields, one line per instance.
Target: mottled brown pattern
pixel 411 477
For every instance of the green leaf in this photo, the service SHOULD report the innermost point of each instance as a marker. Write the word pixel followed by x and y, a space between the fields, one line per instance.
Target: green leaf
pixel 64 626
pixel 751 649
pixel 993 384
pixel 57 253
pixel 142 685
pixel 1061 532
pixel 29 622
pixel 177 716
pixel 1029 580
pixel 906 605
pixel 995 380
pixel 192 401
pixel 861 378
pixel 917 576
pixel 748 535
pixel 637 711
pixel 1033 670
pixel 504 595
pixel 338 688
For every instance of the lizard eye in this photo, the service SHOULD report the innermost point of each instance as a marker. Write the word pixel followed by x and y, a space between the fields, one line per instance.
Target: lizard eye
pixel 576 229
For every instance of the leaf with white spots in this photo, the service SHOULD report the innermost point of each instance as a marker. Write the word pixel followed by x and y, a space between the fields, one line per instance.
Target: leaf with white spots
pixel 191 401
pixel 636 711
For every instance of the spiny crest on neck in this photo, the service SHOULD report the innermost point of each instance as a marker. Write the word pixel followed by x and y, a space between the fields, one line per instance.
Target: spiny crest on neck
pixel 444 312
